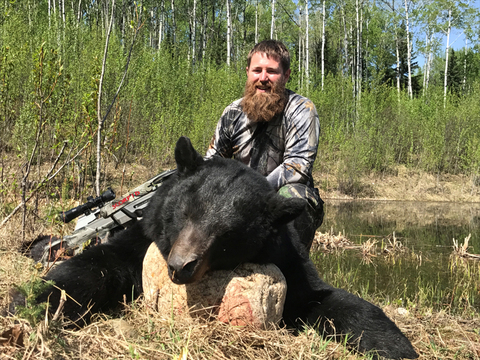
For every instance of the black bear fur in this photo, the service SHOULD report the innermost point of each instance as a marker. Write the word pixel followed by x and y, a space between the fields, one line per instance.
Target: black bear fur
pixel 215 214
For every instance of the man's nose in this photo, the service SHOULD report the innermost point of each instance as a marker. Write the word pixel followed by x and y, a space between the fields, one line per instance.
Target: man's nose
pixel 263 76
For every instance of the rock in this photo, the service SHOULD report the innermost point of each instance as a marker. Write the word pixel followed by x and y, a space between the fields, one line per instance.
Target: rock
pixel 251 294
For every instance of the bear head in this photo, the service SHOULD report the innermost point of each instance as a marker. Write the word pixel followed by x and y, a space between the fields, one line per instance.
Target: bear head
pixel 215 214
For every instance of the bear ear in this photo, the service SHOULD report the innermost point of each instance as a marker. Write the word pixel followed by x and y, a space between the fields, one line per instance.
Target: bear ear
pixel 283 210
pixel 186 157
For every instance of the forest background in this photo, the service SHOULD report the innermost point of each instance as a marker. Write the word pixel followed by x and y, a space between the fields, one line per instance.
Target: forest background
pixel 168 68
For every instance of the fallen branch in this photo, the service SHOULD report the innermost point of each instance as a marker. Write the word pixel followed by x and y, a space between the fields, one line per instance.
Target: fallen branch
pixel 462 250
pixel 63 298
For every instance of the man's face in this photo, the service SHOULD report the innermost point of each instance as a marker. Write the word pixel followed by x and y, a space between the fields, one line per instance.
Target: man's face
pixel 264 95
pixel 264 72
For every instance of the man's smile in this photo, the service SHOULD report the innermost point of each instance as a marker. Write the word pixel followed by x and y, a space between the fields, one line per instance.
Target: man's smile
pixel 263 88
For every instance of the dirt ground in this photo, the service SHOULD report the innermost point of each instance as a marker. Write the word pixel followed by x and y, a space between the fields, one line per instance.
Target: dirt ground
pixel 405 184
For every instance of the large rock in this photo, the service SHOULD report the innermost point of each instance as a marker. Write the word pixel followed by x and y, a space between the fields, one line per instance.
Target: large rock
pixel 251 294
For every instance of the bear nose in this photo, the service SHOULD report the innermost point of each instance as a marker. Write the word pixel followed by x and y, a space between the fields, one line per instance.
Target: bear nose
pixel 181 271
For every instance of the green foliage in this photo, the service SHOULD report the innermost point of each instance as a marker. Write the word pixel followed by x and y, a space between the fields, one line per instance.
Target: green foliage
pixel 166 94
pixel 391 130
pixel 32 311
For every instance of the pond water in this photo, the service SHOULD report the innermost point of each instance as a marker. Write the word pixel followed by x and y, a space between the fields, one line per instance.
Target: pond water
pixel 425 274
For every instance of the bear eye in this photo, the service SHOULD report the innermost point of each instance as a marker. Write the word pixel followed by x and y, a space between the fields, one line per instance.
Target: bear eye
pixel 229 234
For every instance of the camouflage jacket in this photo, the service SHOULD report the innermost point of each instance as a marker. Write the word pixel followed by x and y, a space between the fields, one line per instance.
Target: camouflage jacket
pixel 283 150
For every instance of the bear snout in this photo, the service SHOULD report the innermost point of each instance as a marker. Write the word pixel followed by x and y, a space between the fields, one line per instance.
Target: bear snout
pixel 186 261
pixel 182 271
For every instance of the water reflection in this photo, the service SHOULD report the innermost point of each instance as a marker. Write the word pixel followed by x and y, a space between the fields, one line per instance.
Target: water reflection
pixel 424 276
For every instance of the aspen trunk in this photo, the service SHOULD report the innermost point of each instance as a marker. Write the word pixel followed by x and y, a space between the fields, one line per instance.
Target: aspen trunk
pixel 229 32
pixel 323 45
pixel 409 54
pixel 307 51
pixel 256 22
pixel 272 27
pixel 174 23
pixel 446 58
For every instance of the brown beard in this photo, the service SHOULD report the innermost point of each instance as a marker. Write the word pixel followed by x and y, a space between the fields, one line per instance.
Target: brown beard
pixel 261 107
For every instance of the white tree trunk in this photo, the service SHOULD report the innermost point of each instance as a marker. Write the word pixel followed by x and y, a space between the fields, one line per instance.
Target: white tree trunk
pixel 272 27
pixel 229 32
pixel 345 40
pixel 151 32
pixel 79 13
pixel 194 26
pixel 465 66
pixel 161 25
pixel 300 59
pixel 357 70
pixel 446 58
pixel 174 23
pixel 429 61
pixel 256 22
pixel 50 13
pixel 99 107
pixel 323 44
pixel 204 30
pixel 397 51
pixel 307 50
pixel 360 54
pixel 425 66
pixel 409 54
pixel 353 60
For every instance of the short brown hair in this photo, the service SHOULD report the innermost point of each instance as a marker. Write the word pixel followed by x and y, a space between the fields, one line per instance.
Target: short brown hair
pixel 272 48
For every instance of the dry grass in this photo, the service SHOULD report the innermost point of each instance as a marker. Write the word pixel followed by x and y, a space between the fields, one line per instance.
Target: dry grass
pixel 390 246
pixel 403 184
pixel 138 332
pixel 142 333
pixel 329 242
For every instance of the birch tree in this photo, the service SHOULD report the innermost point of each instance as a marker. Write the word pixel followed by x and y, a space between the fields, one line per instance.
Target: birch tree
pixel 455 14
pixel 229 32
pixel 345 41
pixel 409 52
pixel 307 53
pixel 256 22
pixel 50 13
pixel 323 43
pixel 174 22
pixel 358 66
pixel 193 30
pixel 447 51
pixel 99 106
pixel 161 23
pixel 272 26
pixel 101 119
pixel 393 9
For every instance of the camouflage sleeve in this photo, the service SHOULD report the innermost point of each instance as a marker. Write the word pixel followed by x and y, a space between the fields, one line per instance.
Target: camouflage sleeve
pixel 301 142
pixel 221 143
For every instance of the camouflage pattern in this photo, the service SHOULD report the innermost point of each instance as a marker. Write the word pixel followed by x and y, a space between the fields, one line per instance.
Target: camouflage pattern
pixel 283 150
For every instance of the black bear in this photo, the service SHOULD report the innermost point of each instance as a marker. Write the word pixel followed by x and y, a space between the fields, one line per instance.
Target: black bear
pixel 215 214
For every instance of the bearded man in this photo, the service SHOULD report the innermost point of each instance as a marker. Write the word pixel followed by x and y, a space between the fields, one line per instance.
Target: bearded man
pixel 274 131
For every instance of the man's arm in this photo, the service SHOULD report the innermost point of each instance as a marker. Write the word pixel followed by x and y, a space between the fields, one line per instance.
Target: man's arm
pixel 301 144
pixel 221 143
